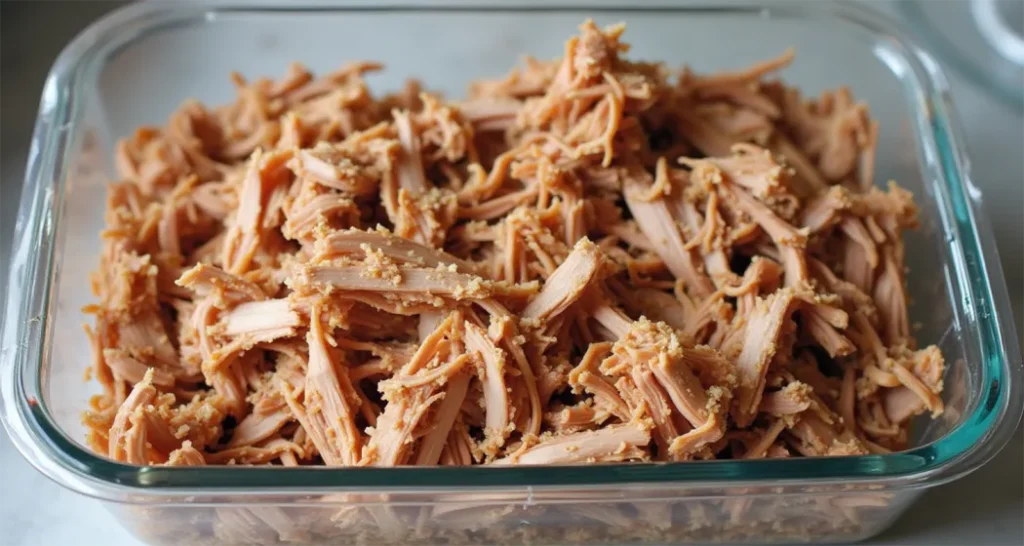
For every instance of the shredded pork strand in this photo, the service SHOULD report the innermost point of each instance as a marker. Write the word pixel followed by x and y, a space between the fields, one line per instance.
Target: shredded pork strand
pixel 589 260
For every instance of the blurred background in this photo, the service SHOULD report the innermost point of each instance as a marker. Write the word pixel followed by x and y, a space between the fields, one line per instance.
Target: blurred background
pixel 986 68
pixel 32 34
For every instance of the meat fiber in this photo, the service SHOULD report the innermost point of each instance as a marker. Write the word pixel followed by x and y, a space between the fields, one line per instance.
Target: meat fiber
pixel 589 260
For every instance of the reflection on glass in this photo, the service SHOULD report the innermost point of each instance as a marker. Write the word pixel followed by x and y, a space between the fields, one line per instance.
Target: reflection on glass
pixel 983 40
pixel 1002 24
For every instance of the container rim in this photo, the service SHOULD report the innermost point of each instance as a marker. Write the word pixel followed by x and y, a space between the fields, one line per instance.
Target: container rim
pixel 26 327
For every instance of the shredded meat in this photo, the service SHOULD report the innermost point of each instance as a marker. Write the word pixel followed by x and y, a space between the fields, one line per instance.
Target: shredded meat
pixel 588 260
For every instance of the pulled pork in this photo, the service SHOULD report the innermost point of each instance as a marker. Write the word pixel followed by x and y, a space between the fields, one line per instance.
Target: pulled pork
pixel 589 260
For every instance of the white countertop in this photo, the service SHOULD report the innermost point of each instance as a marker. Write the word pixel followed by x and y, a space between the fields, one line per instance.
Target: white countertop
pixel 984 508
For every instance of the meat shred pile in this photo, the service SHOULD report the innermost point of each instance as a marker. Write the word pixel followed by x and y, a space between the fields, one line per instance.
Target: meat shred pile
pixel 588 260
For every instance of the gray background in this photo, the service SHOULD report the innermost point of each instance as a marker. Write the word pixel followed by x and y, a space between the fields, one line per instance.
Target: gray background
pixel 985 508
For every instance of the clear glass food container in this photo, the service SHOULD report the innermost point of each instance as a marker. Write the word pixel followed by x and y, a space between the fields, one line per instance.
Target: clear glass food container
pixel 135 66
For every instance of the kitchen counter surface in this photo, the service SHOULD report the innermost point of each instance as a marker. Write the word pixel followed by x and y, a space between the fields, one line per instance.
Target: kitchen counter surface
pixel 984 508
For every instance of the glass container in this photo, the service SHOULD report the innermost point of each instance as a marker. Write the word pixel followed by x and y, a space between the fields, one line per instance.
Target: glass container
pixel 136 65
